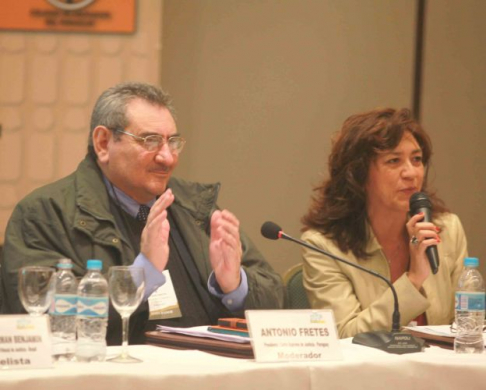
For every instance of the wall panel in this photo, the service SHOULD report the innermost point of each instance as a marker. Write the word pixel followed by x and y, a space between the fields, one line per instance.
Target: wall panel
pixel 260 87
pixel 48 85
pixel 454 111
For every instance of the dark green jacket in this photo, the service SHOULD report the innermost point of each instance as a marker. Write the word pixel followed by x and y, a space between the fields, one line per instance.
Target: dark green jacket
pixel 71 218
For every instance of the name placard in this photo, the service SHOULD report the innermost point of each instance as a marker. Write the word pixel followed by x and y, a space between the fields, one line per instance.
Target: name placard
pixel 291 335
pixel 25 342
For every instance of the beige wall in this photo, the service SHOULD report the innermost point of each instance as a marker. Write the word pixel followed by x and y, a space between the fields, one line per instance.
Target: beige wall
pixel 48 85
pixel 454 111
pixel 261 85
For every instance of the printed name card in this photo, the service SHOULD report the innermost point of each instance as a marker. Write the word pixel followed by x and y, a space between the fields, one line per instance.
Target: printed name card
pixel 292 335
pixel 163 302
pixel 25 342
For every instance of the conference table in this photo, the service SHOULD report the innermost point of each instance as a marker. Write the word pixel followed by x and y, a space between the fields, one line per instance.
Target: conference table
pixel 163 368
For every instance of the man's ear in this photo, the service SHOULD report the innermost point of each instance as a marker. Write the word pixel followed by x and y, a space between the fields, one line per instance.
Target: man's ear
pixel 101 138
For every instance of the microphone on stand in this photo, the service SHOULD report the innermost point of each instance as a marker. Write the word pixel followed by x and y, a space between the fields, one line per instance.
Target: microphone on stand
pixel 420 203
pixel 392 342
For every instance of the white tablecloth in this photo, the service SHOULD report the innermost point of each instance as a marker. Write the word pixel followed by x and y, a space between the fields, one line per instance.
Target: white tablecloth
pixel 167 369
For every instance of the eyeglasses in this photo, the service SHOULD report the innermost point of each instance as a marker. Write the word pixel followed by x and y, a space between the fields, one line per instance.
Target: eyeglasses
pixel 155 142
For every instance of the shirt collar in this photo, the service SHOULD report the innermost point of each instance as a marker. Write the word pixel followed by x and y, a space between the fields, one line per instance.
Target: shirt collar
pixel 373 245
pixel 123 200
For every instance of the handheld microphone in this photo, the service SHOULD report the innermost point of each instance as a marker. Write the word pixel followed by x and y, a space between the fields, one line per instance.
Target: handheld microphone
pixel 392 342
pixel 420 203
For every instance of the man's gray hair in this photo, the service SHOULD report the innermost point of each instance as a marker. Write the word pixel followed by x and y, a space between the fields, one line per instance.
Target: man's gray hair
pixel 110 108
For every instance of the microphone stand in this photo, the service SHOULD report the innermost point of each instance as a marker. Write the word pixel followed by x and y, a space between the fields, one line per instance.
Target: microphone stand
pixel 392 342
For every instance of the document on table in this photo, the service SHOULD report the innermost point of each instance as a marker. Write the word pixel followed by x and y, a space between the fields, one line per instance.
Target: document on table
pixel 433 330
pixel 202 331
pixel 437 330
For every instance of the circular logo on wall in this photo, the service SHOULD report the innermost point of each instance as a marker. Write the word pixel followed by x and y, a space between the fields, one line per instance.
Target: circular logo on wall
pixel 70 5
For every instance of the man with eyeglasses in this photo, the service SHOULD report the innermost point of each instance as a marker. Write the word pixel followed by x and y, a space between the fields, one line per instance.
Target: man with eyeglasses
pixel 123 206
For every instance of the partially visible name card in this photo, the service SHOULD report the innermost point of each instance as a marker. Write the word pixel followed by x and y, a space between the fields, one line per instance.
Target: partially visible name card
pixel 291 335
pixel 25 342
pixel 163 302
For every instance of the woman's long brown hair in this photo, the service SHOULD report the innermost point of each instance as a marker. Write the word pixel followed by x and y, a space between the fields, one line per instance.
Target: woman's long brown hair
pixel 338 207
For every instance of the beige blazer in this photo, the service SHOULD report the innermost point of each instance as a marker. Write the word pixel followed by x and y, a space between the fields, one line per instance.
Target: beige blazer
pixel 362 302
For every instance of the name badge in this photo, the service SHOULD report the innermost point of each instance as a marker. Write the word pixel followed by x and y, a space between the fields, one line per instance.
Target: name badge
pixel 25 342
pixel 293 335
pixel 163 302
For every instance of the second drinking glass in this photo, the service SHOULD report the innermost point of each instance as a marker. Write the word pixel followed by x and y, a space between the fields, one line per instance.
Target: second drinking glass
pixel 126 285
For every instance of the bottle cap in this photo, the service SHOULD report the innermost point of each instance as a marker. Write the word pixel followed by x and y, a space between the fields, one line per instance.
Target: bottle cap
pixel 94 264
pixel 471 262
pixel 64 264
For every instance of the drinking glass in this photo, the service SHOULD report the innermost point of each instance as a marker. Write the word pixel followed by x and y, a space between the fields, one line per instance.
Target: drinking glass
pixel 36 288
pixel 126 286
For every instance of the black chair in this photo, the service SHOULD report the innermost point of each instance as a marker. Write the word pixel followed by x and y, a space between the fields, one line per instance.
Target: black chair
pixel 297 297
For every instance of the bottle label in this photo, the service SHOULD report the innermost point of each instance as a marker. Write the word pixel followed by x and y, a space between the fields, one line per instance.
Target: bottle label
pixel 64 305
pixel 93 307
pixel 471 301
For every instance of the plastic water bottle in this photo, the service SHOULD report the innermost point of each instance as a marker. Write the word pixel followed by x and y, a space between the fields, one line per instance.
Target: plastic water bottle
pixel 62 312
pixel 92 316
pixel 470 309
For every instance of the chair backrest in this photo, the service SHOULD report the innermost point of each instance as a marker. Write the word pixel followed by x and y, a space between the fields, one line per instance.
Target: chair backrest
pixel 297 297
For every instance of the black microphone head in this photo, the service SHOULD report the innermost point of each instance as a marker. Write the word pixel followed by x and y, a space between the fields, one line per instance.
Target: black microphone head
pixel 271 230
pixel 419 200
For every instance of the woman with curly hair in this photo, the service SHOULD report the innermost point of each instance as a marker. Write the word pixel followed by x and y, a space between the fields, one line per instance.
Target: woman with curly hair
pixel 361 213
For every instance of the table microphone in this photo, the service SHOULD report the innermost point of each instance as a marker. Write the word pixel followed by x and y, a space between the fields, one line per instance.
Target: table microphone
pixel 392 342
pixel 420 203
